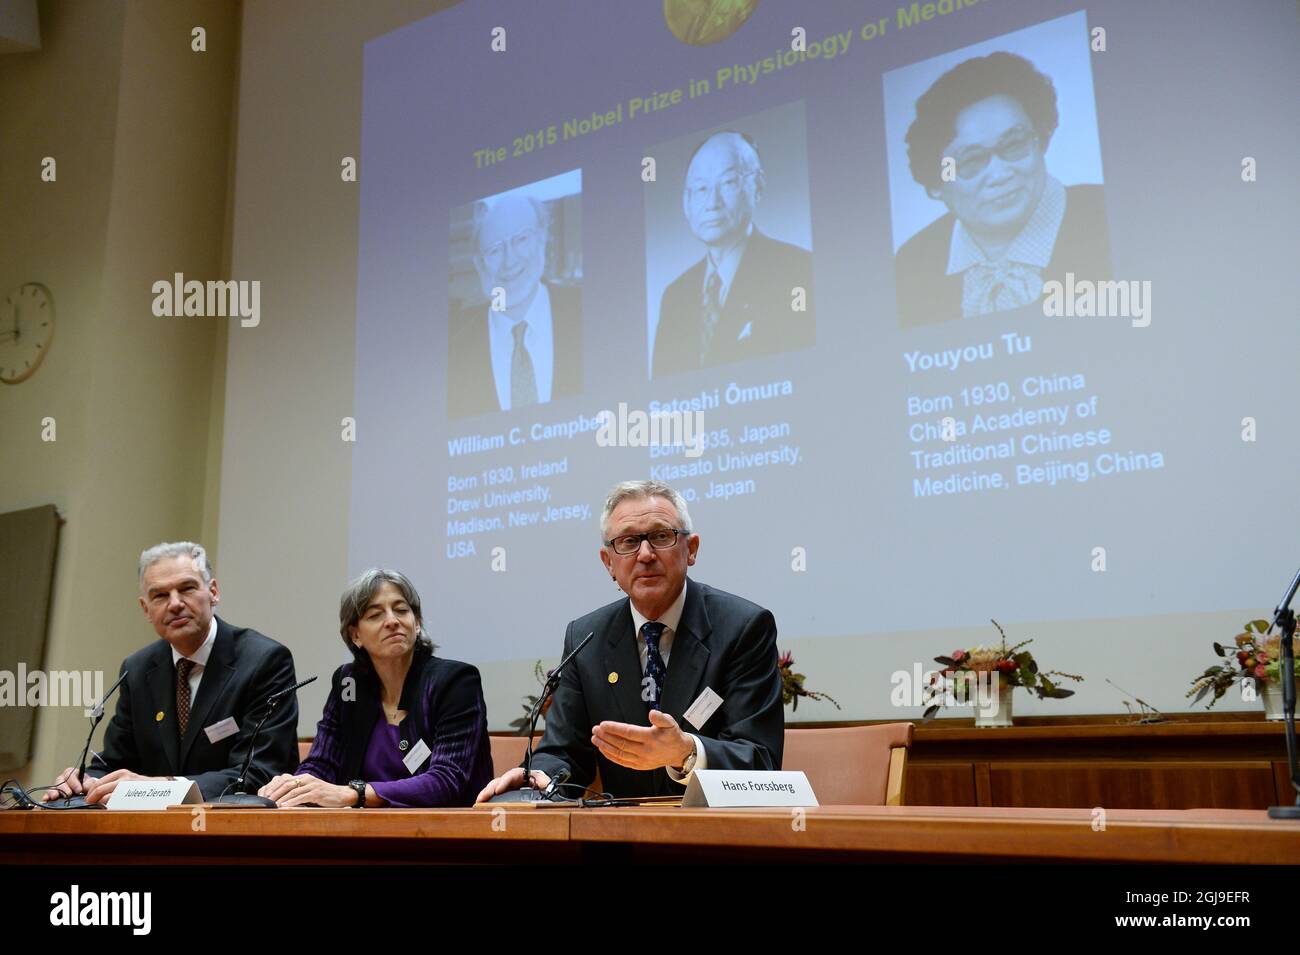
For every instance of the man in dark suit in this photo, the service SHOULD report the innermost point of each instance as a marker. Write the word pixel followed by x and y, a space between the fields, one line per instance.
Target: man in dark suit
pixel 621 703
pixel 524 347
pixel 191 700
pixel 750 295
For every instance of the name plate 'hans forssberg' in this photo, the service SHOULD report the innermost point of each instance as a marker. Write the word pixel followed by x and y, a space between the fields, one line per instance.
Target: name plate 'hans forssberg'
pixel 739 787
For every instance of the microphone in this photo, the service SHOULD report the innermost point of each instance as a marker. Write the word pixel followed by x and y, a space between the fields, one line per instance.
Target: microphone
pixel 96 715
pixel 244 800
pixel 1284 620
pixel 527 793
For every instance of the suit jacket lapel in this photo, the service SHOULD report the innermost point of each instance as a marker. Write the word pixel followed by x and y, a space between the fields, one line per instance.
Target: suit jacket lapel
pixel 217 672
pixel 689 655
pixel 621 657
pixel 161 680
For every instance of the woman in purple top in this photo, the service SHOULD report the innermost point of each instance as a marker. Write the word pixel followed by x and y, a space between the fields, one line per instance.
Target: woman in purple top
pixel 401 727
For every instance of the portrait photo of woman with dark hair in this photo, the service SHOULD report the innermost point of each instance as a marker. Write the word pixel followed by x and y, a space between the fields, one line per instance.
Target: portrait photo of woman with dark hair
pixel 978 144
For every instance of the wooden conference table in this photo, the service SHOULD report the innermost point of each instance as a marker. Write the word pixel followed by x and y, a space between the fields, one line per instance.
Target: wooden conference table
pixel 649 834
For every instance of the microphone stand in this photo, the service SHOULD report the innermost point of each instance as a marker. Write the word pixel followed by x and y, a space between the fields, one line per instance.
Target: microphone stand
pixel 527 793
pixel 245 800
pixel 1284 620
pixel 96 716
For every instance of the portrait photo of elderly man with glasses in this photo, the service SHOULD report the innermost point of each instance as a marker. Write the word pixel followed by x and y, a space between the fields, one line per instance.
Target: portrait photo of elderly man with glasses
pixel 515 324
pixel 978 144
pixel 669 642
pixel 749 294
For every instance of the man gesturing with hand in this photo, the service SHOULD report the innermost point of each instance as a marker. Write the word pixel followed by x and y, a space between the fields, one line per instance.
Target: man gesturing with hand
pixel 670 646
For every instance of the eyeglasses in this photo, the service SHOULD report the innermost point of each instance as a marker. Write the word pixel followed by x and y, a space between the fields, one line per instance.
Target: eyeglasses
pixel 662 539
pixel 1015 146
pixel 521 244
pixel 728 186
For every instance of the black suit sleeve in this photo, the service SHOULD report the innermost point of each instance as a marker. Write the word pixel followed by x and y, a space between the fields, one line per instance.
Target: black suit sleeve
pixel 752 733
pixel 566 744
pixel 120 751
pixel 277 743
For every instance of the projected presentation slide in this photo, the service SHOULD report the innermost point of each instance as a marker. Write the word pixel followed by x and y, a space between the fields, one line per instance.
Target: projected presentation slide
pixel 930 310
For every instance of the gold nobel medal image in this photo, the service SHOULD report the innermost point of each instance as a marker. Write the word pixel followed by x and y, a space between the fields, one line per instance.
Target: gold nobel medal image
pixel 613 678
pixel 159 717
pixel 704 22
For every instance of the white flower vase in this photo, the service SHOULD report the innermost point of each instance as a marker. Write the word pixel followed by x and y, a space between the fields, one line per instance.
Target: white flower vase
pixel 984 719
pixel 1271 696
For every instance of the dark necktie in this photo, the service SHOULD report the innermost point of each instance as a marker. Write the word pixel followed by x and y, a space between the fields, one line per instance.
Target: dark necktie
pixel 654 663
pixel 183 669
pixel 523 383
pixel 712 312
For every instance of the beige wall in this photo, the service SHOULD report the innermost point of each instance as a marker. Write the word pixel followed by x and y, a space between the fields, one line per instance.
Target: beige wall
pixel 139 125
pixel 286 474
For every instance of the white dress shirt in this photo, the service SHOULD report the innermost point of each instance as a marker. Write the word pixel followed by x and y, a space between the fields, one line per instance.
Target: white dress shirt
pixel 200 659
pixel 539 342
pixel 670 619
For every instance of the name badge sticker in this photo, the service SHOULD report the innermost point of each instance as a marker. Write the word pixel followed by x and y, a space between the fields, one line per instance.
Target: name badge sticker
pixel 705 705
pixel 418 754
pixel 219 731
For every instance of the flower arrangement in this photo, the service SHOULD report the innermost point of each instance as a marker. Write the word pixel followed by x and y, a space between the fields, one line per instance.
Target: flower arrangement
pixel 792 684
pixel 1258 657
pixel 1014 667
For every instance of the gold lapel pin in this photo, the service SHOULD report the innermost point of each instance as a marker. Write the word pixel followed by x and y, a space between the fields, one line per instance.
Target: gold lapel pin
pixel 159 717
pixel 613 678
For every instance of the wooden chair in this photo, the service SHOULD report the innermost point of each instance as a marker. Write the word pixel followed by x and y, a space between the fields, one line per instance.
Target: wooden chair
pixel 852 765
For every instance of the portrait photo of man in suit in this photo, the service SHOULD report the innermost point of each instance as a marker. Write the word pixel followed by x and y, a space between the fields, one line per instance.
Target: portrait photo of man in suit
pixel 515 339
pixel 192 698
pixel 749 294
pixel 978 144
pixel 621 701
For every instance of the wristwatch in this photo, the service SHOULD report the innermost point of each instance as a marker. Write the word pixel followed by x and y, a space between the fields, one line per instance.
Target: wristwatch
pixel 360 786
pixel 689 764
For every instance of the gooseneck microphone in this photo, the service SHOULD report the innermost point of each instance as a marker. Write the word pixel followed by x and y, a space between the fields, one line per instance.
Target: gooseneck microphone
pixel 239 799
pixel 1284 620
pixel 96 715
pixel 527 793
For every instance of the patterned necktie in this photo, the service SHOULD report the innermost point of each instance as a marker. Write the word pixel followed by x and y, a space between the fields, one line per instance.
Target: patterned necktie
pixel 523 383
pixel 183 669
pixel 712 312
pixel 654 663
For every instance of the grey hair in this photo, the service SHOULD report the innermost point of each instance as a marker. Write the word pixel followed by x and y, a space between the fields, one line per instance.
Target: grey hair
pixel 168 550
pixel 745 148
pixel 358 596
pixel 482 210
pixel 636 490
